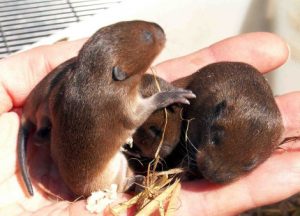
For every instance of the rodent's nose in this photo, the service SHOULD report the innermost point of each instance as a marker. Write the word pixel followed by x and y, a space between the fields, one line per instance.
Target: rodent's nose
pixel 160 28
pixel 160 33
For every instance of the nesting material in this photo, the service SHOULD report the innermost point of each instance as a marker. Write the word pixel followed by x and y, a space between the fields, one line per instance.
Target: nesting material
pixel 160 196
pixel 99 200
pixel 129 142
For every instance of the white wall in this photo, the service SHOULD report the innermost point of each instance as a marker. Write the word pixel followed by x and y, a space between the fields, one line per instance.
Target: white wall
pixel 286 23
pixel 193 24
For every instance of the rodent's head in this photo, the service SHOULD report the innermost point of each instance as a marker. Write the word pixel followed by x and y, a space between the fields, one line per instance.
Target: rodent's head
pixel 232 145
pixel 148 136
pixel 124 48
pixel 238 124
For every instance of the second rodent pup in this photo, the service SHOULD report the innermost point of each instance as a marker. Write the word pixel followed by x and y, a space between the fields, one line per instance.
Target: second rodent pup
pixel 90 105
pixel 234 123
pixel 147 137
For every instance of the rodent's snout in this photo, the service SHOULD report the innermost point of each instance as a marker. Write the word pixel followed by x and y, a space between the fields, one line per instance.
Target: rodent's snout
pixel 160 32
pixel 159 27
pixel 223 172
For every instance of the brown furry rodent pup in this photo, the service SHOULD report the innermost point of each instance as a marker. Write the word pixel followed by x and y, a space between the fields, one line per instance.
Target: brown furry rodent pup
pixel 148 136
pixel 234 126
pixel 237 124
pixel 90 105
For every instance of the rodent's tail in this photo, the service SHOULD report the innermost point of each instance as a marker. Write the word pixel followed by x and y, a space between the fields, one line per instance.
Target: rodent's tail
pixel 22 143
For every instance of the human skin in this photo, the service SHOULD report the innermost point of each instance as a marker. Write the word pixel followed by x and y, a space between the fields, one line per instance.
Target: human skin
pixel 274 180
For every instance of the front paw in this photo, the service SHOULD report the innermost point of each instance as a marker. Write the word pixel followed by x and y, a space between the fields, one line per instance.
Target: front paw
pixel 179 95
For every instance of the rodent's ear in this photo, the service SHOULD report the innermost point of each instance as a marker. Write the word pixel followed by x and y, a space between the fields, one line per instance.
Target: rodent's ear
pixel 118 74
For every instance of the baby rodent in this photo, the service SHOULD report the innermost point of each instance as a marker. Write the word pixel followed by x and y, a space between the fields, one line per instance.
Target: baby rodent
pixel 148 136
pixel 234 123
pixel 90 105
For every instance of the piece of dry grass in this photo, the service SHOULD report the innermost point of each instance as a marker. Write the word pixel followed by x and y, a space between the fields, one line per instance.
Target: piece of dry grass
pixel 159 201
pixel 160 189
pixel 172 202
pixel 152 198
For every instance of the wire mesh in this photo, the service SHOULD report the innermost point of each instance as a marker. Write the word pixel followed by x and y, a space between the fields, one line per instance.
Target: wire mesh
pixel 23 22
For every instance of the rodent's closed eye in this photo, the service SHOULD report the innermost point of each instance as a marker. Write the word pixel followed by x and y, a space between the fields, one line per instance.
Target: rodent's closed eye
pixel 147 36
pixel 155 131
pixel 216 135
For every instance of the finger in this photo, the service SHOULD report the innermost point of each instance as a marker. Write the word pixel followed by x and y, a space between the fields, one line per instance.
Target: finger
pixel 257 49
pixel 79 208
pixel 265 51
pixel 21 72
pixel 275 180
pixel 289 105
pixel 74 209
pixel 9 124
pixel 64 209
pixel 58 208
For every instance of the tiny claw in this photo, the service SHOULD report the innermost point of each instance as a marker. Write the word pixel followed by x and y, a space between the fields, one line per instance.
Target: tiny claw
pixel 192 95
pixel 186 101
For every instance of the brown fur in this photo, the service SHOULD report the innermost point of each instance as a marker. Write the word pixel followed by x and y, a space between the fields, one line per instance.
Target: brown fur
pixel 235 125
pixel 92 105
pixel 148 136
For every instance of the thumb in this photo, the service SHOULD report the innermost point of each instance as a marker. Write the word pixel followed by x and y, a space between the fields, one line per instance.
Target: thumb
pixel 9 124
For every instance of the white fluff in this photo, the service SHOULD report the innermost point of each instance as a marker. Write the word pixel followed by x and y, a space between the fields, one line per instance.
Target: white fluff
pixel 99 200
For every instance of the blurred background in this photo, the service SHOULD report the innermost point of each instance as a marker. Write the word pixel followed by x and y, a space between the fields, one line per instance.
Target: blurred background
pixel 189 25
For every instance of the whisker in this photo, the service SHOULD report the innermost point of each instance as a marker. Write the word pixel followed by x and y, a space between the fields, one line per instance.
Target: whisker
pixel 191 143
pixel 136 159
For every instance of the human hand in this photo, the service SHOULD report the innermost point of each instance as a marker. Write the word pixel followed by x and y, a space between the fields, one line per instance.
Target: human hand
pixel 276 179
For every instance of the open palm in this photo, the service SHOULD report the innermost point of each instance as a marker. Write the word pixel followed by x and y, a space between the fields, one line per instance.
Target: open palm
pixel 276 179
